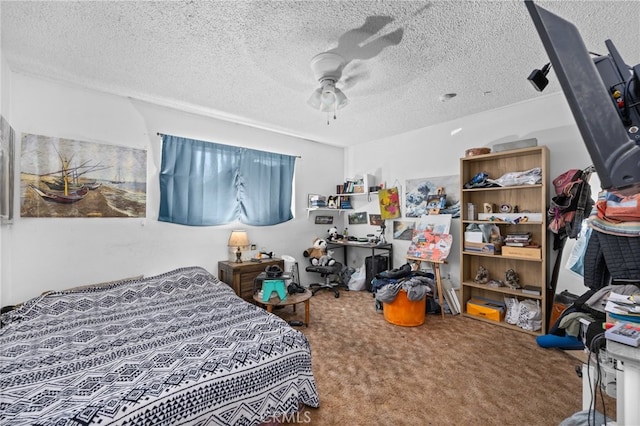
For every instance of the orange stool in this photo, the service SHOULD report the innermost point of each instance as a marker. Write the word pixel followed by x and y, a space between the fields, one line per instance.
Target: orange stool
pixel 405 312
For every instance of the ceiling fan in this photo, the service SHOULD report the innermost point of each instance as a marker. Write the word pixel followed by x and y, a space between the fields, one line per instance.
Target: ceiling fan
pixel 327 69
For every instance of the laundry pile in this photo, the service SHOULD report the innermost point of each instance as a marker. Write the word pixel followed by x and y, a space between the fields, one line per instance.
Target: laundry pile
pixel 387 284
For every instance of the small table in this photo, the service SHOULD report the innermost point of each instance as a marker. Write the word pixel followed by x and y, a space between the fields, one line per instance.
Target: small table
pixel 292 299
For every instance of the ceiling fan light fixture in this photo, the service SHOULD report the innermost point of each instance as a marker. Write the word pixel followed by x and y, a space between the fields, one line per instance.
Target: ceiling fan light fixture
pixel 314 100
pixel 327 68
pixel 341 99
pixel 328 97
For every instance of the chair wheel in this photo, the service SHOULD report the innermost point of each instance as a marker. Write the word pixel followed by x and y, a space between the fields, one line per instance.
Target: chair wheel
pixel 336 295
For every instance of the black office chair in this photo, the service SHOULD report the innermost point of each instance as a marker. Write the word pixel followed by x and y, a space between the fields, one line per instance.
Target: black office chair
pixel 332 278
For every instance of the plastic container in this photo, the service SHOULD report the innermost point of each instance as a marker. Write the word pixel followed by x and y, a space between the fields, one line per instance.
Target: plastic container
pixel 289 264
pixel 405 312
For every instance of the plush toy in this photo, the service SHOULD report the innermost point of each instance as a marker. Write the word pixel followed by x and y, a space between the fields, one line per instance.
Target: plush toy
pixel 318 255
pixel 333 234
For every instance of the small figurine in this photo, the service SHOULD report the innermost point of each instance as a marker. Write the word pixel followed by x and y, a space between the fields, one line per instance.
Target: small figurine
pixel 512 279
pixel 482 276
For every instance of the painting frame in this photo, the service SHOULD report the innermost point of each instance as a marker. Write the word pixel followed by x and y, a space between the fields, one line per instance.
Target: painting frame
pixel 72 178
pixel 403 229
pixel 375 220
pixel 7 175
pixel 358 218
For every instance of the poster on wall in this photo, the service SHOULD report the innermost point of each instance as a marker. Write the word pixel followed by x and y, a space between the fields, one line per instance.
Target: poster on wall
pixel 441 194
pixel 389 200
pixel 71 178
pixel 7 144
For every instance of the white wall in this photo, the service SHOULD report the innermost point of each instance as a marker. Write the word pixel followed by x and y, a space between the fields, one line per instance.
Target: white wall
pixel 57 253
pixel 433 151
pixel 46 253
pixel 5 97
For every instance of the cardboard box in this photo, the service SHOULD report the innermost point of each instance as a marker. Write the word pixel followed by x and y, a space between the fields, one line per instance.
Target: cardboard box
pixel 491 310
pixel 473 236
pixel 485 248
pixel 526 252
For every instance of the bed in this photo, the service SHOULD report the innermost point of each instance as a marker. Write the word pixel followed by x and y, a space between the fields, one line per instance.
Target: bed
pixel 178 348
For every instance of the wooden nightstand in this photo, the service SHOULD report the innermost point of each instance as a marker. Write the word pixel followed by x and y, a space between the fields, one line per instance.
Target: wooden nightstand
pixel 240 276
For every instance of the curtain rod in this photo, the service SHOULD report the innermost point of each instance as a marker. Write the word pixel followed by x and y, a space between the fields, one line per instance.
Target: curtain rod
pixel 162 134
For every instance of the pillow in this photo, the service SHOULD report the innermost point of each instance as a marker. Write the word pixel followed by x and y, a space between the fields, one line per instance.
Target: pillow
pixel 97 285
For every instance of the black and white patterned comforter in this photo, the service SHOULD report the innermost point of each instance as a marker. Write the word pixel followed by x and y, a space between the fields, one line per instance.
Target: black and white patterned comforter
pixel 175 349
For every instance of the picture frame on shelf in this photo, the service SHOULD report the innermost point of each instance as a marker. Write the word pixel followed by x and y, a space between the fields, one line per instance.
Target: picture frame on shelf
pixel 324 220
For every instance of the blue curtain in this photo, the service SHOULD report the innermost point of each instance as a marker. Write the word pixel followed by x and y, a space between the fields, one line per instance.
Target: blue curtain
pixel 204 183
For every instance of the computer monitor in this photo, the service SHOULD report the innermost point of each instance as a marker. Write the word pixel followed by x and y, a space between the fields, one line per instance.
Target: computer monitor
pixel 593 88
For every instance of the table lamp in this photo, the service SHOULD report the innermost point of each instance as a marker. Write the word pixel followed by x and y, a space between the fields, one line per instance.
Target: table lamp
pixel 238 239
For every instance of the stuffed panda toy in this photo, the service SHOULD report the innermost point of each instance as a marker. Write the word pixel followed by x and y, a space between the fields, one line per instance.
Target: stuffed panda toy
pixel 318 255
pixel 333 234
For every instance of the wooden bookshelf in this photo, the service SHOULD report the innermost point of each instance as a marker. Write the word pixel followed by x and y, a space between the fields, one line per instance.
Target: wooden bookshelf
pixel 529 199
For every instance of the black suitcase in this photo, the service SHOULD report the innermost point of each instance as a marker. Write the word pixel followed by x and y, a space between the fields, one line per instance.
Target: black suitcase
pixel 379 264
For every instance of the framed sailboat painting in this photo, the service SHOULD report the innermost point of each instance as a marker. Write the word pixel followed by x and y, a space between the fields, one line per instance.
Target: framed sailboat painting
pixel 71 178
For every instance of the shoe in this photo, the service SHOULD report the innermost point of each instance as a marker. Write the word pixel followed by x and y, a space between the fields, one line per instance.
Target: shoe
pixel 295 288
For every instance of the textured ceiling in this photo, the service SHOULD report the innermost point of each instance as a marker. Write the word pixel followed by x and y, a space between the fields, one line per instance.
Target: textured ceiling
pixel 249 61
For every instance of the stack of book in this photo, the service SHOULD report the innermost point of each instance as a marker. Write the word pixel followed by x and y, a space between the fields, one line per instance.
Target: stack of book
pixel 317 201
pixel 344 202
pixel 518 239
pixel 350 185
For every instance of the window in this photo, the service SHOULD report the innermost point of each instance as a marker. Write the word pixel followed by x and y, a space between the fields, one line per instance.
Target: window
pixel 205 183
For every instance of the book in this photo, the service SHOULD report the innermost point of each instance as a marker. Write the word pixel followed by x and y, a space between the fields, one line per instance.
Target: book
pixel 517 243
pixel 519 235
pixel 531 289
pixel 450 296
pixel 456 301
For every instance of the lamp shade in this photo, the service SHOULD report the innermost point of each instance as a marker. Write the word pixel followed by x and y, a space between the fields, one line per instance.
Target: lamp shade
pixel 238 238
pixel 328 97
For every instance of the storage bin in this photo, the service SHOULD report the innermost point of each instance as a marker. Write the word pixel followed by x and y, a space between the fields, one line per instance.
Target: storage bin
pixel 405 312
pixel 484 309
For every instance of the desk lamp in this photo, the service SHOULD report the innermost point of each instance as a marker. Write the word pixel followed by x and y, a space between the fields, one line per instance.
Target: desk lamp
pixel 238 239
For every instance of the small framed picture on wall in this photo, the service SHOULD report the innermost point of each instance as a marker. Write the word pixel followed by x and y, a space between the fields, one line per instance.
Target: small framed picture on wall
pixel 324 220
pixel 358 218
pixel 375 220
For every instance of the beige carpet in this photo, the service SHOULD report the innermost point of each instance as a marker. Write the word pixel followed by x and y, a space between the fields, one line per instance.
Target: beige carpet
pixel 451 371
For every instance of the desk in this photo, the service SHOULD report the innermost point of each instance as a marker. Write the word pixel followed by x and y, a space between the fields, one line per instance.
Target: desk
pixel 345 244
